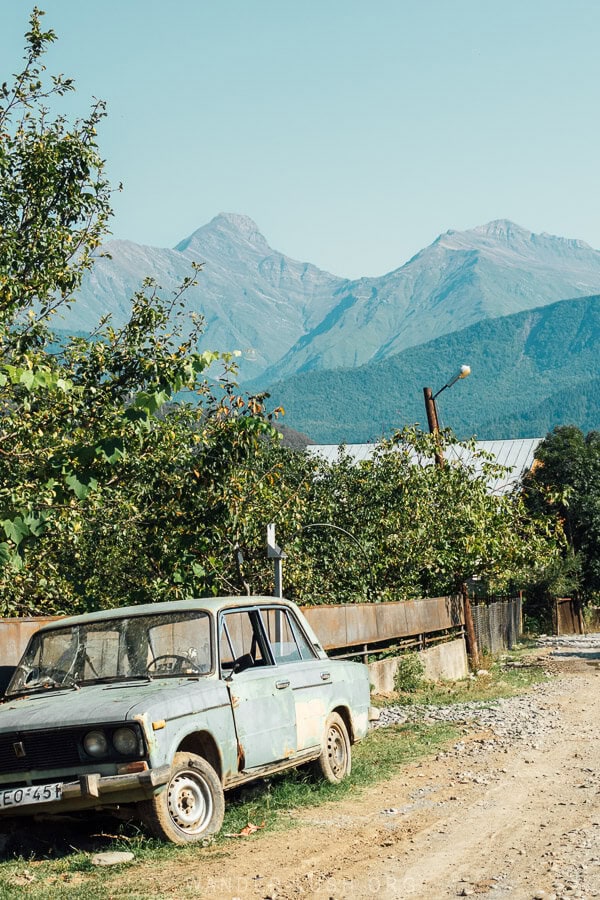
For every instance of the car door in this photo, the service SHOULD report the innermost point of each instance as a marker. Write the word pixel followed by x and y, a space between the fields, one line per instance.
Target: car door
pixel 261 698
pixel 309 676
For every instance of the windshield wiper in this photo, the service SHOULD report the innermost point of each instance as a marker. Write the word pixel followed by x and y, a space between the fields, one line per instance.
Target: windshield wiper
pixel 111 679
pixel 40 687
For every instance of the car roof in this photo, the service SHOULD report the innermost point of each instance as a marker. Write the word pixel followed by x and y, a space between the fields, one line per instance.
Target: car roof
pixel 208 604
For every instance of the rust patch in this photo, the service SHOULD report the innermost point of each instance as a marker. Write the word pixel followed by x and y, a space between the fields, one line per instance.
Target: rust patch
pixel 147 728
pixel 235 701
pixel 241 756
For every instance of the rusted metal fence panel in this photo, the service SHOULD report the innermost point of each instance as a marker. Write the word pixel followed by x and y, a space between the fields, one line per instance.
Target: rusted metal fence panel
pixel 353 625
pixel 568 617
pixel 498 624
pixel 338 626
pixel 14 634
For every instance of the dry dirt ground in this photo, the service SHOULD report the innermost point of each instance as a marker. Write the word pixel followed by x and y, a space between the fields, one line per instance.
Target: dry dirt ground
pixel 516 822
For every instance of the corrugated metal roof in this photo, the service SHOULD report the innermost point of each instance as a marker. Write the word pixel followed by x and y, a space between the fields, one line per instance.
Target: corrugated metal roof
pixel 516 455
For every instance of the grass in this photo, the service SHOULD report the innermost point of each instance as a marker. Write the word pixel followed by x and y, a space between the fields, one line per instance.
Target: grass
pixel 506 676
pixel 64 869
pixel 273 801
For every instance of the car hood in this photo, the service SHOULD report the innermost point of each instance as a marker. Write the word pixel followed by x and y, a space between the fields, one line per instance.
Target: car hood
pixel 97 703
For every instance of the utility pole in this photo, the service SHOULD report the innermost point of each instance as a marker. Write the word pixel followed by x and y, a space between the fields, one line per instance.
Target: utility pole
pixel 434 425
pixel 471 637
pixel 434 428
pixel 431 409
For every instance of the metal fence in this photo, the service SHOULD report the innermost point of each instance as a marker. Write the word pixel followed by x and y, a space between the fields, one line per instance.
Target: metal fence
pixel 498 624
pixel 339 627
pixel 348 625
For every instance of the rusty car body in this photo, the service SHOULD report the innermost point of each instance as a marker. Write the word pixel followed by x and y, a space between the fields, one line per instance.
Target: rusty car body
pixel 166 706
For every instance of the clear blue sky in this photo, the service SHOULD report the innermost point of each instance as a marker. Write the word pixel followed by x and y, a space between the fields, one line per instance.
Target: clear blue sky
pixel 352 132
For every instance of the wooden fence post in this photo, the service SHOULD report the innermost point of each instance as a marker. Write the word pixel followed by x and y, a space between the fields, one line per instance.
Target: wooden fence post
pixel 472 650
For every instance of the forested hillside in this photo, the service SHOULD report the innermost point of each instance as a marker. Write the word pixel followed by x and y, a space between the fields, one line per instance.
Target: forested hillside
pixel 530 371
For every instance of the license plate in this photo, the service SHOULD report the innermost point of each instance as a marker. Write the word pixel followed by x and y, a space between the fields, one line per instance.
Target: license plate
pixel 33 793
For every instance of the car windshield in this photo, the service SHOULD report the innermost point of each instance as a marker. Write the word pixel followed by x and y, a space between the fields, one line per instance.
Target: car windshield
pixel 117 649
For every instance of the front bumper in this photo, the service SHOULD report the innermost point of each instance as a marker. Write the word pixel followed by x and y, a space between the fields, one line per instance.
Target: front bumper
pixel 93 790
pixel 95 785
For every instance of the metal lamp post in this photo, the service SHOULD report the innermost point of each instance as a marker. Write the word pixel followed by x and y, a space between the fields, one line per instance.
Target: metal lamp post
pixel 434 428
pixel 431 409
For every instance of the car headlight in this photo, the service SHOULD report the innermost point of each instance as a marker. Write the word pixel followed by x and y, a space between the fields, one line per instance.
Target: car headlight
pixel 95 743
pixel 126 741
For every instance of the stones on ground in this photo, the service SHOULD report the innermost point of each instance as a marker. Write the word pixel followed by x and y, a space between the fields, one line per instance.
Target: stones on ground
pixel 112 858
pixel 526 718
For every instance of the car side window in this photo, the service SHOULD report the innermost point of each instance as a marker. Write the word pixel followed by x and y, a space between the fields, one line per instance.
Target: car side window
pixel 241 641
pixel 187 638
pixel 288 643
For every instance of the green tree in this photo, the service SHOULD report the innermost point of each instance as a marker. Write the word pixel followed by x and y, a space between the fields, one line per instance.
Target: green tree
pixel 54 196
pixel 112 489
pixel 565 482
pixel 397 526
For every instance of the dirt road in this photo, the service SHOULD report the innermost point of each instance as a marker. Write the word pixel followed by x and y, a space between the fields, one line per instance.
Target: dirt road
pixel 516 818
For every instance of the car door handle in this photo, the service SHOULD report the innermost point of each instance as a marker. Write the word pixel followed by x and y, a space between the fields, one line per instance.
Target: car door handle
pixel 280 685
pixel 325 676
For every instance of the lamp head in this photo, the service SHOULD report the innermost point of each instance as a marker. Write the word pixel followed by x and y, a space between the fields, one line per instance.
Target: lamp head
pixel 462 373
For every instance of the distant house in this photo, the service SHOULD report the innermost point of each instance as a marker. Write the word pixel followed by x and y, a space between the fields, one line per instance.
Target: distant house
pixel 516 456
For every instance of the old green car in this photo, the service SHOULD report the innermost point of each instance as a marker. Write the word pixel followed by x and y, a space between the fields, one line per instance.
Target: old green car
pixel 167 705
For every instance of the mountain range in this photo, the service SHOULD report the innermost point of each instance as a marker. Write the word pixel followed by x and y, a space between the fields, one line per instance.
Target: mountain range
pixel 288 317
pixel 253 299
pixel 322 343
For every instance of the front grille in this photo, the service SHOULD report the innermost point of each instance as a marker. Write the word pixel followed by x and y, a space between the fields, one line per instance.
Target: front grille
pixel 43 750
pixel 59 748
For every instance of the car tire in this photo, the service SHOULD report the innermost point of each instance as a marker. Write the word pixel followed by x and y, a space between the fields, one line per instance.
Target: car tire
pixel 191 806
pixel 335 761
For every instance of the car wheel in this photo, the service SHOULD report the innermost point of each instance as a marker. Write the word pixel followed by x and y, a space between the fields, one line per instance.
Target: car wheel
pixel 335 761
pixel 191 806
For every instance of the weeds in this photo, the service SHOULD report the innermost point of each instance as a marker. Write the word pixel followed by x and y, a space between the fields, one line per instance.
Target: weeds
pixel 409 673
pixel 504 676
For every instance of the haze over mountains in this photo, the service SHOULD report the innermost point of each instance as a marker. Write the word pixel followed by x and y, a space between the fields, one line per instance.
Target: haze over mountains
pixel 290 319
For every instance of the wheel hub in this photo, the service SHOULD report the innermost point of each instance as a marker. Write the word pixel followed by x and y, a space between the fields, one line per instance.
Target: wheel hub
pixel 336 750
pixel 190 805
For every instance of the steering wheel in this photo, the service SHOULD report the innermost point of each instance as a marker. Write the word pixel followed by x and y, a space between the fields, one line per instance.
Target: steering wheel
pixel 179 663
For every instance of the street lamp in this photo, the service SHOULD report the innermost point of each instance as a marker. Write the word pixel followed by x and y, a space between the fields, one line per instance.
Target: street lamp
pixel 434 428
pixel 431 410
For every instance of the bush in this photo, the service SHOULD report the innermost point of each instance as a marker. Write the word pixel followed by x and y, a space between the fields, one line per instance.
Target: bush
pixel 409 673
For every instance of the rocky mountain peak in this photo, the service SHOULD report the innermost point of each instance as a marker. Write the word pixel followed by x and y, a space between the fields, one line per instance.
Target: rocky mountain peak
pixel 227 227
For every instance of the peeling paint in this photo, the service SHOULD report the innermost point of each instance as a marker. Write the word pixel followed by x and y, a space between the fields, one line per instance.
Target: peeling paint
pixel 310 719
pixel 262 719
